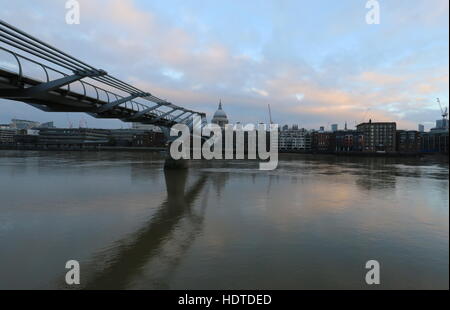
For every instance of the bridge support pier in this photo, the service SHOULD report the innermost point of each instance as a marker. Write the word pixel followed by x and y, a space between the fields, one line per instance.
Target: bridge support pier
pixel 169 162
pixel 172 164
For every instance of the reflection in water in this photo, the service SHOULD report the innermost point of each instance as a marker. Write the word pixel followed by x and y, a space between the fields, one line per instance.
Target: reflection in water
pixel 375 179
pixel 129 256
pixel 312 223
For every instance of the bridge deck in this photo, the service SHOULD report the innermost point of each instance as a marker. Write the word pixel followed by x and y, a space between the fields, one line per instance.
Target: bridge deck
pixel 120 100
pixel 63 100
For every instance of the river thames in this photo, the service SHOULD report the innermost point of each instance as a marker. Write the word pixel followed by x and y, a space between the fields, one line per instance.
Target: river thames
pixel 311 224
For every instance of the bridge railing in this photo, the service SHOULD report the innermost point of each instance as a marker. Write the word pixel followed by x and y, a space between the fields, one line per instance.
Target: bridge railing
pixel 98 92
pixel 105 89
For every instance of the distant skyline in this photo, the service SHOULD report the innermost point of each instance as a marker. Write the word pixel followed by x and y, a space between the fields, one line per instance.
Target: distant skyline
pixel 316 63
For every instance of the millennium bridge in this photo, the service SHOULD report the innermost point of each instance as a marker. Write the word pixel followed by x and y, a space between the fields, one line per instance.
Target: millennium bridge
pixel 36 73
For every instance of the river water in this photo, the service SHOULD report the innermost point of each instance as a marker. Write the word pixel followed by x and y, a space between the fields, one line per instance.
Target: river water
pixel 311 224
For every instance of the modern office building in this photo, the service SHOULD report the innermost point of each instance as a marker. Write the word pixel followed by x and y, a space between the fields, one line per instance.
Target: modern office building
pixel 47 125
pixel 148 127
pixel 334 127
pixel 294 140
pixel 66 137
pixel 435 141
pixel 442 124
pixel 23 124
pixel 421 128
pixel 23 138
pixel 149 139
pixel 135 137
pixel 7 135
pixel 408 141
pixel 74 138
pixel 379 136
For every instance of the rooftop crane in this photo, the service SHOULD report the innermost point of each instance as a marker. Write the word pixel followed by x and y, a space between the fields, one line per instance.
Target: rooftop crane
pixel 365 115
pixel 270 114
pixel 444 113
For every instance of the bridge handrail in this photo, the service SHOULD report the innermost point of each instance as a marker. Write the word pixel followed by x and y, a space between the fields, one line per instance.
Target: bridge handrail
pixel 12 36
pixel 139 106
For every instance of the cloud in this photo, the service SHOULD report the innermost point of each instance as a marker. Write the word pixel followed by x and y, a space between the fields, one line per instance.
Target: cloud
pixel 260 92
pixel 326 70
pixel 299 97
pixel 382 78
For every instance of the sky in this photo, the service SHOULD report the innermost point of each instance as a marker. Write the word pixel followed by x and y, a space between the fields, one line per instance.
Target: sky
pixel 316 63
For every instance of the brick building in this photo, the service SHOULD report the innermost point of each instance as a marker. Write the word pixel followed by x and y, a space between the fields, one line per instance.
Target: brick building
pixel 379 136
pixel 408 141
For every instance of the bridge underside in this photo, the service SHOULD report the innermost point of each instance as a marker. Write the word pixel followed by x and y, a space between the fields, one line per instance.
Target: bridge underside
pixel 64 100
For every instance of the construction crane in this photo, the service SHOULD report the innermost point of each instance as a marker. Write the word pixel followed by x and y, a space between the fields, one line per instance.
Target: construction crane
pixel 444 113
pixel 69 122
pixel 83 122
pixel 270 114
pixel 365 115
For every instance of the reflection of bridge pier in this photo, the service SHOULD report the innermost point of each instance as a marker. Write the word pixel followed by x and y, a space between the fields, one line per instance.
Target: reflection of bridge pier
pixel 171 164
pixel 130 255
